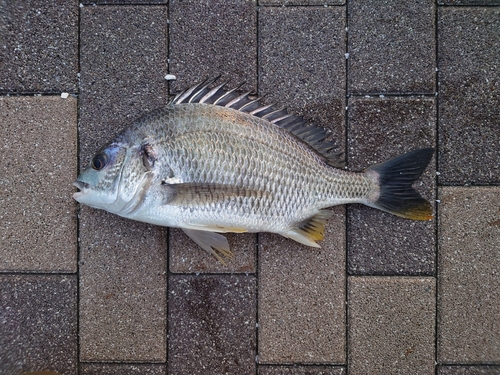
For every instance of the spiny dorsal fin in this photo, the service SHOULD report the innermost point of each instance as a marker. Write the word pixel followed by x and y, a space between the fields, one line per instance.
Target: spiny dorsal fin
pixel 312 135
pixel 311 230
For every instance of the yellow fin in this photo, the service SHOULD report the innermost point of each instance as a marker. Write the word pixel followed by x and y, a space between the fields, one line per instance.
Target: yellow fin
pixel 213 243
pixel 311 230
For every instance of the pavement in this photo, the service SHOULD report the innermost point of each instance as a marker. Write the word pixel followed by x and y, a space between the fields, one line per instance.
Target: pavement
pixel 86 292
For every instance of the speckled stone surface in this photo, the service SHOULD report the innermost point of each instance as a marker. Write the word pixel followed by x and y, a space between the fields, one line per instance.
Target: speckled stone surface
pixel 38 46
pixel 123 59
pixel 392 325
pixel 468 370
pixel 468 2
pixel 301 2
pixel 38 149
pixel 38 324
pixel 380 243
pixel 469 282
pixel 301 298
pixel 121 369
pixel 313 88
pixel 469 114
pixel 212 324
pixel 208 38
pixel 187 257
pixel 301 370
pixel 392 46
pixel 122 289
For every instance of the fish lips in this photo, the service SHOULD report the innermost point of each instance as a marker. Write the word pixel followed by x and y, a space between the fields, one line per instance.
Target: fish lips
pixel 82 186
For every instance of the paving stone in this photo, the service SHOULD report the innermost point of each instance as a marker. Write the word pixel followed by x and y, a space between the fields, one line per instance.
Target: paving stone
pixel 391 325
pixel 380 243
pixel 122 289
pixel 301 370
pixel 39 46
pixel 301 298
pixel 301 2
pixel 468 370
pixel 187 257
pixel 212 324
pixel 120 369
pixel 38 328
pixel 302 63
pixel 468 2
pixel 208 38
pixel 130 2
pixel 37 214
pixel 391 47
pixel 123 59
pixel 469 282
pixel 469 114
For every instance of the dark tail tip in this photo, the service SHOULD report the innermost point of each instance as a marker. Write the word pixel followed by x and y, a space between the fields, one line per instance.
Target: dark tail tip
pixel 396 176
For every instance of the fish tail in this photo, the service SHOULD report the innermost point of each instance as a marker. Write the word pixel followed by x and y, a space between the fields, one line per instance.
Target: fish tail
pixel 396 176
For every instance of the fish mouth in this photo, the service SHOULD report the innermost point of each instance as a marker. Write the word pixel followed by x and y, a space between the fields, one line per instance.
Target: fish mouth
pixel 83 186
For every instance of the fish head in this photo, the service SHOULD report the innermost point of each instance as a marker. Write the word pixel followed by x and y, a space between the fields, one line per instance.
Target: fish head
pixel 114 178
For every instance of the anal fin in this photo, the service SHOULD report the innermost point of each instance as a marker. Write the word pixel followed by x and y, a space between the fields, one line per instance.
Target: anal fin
pixel 214 243
pixel 311 230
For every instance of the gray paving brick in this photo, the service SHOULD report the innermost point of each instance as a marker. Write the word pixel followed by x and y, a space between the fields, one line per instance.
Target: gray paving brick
pixel 129 2
pixel 301 2
pixel 468 370
pixel 391 46
pixel 38 46
pixel 122 289
pixel 469 285
pixel 211 38
pixel 468 2
pixel 391 325
pixel 302 63
pixel 212 324
pixel 469 114
pixel 38 328
pixel 301 298
pixel 121 369
pixel 37 214
pixel 123 64
pixel 380 243
pixel 301 370
pixel 187 257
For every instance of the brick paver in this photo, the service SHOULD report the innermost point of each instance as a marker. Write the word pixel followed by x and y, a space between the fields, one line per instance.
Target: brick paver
pixel 83 291
pixel 469 281
pixel 38 149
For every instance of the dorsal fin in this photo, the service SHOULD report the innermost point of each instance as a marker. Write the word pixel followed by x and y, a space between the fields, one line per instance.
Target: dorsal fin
pixel 314 136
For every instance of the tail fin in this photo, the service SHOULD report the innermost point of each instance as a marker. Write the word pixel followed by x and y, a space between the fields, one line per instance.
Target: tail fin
pixel 396 177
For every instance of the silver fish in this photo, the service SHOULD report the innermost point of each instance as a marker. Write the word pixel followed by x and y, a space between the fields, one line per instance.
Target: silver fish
pixel 215 161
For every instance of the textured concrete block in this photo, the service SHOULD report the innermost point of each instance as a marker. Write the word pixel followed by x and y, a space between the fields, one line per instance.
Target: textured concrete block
pixel 468 370
pixel 212 325
pixel 301 370
pixel 123 59
pixel 469 282
pixel 38 324
pixel 380 243
pixel 208 38
pixel 38 46
pixel 301 2
pixel 391 325
pixel 391 46
pixel 120 369
pixel 302 63
pixel 301 298
pixel 469 114
pixel 187 257
pixel 468 2
pixel 38 146
pixel 122 289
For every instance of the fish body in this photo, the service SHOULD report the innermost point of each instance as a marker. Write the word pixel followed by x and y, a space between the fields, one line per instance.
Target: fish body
pixel 213 161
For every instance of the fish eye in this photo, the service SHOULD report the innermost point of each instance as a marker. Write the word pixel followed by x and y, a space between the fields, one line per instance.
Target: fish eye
pixel 99 161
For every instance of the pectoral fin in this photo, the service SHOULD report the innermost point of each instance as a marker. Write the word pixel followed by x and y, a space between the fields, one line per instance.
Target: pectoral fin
pixel 311 230
pixel 213 243
pixel 196 194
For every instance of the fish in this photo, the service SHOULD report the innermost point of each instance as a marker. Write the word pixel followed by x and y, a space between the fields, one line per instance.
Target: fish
pixel 215 160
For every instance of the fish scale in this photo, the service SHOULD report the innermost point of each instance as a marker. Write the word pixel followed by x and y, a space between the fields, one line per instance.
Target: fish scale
pixel 215 161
